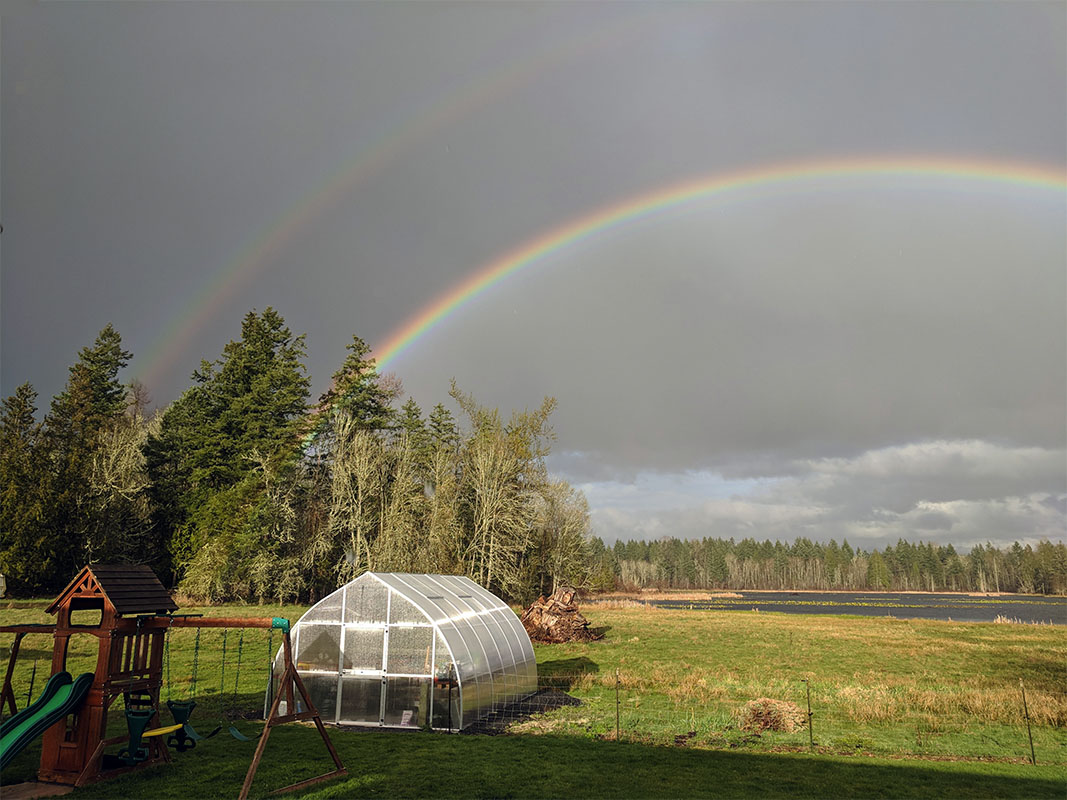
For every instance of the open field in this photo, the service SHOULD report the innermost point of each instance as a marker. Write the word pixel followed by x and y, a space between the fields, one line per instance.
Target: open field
pixel 901 709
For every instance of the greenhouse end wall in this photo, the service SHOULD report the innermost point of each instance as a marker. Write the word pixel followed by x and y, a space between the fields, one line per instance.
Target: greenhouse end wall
pixel 410 651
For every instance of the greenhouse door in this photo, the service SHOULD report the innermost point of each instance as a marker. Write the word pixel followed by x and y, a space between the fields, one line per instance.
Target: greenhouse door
pixel 408 682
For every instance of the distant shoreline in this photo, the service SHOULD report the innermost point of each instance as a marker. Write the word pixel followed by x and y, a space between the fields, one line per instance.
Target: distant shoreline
pixel 711 594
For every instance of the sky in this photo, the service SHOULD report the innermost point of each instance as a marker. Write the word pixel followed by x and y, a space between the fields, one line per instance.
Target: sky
pixel 790 269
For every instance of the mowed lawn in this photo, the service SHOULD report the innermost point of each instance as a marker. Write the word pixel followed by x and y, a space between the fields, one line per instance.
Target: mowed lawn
pixel 902 709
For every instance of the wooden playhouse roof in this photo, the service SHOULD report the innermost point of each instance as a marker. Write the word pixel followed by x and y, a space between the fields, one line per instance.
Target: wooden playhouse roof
pixel 130 588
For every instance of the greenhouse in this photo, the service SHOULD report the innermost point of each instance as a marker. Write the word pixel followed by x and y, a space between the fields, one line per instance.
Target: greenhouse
pixel 412 651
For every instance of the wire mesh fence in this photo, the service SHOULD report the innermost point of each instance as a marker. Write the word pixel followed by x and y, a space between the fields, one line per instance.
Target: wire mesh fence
pixel 946 721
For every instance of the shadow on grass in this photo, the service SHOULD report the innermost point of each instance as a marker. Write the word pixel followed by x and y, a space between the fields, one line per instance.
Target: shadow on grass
pixel 402 765
pixel 562 673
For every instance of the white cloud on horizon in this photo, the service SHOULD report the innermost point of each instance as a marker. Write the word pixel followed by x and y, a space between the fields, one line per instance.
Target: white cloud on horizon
pixel 959 492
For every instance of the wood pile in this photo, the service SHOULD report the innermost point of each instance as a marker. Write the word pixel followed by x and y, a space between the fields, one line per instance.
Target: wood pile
pixel 556 619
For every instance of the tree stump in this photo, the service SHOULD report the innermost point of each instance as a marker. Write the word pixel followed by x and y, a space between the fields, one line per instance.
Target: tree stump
pixel 556 619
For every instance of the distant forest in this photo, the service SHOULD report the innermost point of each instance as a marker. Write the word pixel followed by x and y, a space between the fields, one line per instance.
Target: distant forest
pixel 243 489
pixel 748 564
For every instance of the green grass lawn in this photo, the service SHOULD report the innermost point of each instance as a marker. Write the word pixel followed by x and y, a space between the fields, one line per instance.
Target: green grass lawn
pixel 902 709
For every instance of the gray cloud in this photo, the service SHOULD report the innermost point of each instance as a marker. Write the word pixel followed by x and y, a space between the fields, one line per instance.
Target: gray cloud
pixel 922 491
pixel 798 337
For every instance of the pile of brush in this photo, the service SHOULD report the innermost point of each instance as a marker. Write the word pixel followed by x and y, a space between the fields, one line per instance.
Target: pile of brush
pixel 556 619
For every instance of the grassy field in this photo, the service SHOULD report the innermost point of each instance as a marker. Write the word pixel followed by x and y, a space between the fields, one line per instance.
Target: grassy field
pixel 901 709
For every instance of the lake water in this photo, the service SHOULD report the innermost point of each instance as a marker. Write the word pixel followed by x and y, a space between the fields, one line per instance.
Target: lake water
pixel 954 607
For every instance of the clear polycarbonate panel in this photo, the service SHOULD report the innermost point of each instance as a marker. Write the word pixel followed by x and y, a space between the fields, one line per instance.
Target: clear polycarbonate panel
pixel 503 645
pixel 319 647
pixel 401 611
pixel 322 689
pixel 366 601
pixel 361 700
pixel 477 703
pixel 363 648
pixel 430 595
pixel 484 638
pixel 457 645
pixel 410 651
pixel 490 599
pixel 444 693
pixel 443 665
pixel 519 637
pixel 326 610
pixel 407 701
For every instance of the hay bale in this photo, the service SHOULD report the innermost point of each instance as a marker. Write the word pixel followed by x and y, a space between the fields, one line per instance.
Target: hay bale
pixel 765 714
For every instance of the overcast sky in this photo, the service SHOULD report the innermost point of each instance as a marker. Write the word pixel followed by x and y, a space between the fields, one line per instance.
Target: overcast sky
pixel 864 356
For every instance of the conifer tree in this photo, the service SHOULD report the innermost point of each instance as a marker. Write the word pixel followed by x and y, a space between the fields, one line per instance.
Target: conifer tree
pixel 92 401
pixel 218 443
pixel 23 539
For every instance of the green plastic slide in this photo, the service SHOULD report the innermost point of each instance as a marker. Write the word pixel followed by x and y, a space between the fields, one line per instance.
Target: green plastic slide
pixel 61 696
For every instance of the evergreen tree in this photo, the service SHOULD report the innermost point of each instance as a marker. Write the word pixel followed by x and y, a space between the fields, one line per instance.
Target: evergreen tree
pixel 24 550
pixel 418 436
pixel 92 402
pixel 357 390
pixel 217 447
pixel 443 428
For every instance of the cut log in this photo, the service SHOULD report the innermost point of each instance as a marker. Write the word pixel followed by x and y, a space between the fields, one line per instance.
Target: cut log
pixel 556 619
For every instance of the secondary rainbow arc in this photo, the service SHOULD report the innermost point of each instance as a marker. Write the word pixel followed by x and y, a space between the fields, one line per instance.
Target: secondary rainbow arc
pixel 660 200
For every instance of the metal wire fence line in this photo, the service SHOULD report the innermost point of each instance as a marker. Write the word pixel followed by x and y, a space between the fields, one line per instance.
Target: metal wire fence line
pixel 957 721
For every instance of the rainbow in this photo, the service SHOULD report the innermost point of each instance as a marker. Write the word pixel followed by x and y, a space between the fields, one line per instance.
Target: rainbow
pixel 664 199
pixel 489 86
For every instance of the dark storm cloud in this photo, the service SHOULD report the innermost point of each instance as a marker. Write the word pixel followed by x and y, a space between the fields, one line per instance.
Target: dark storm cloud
pixel 786 337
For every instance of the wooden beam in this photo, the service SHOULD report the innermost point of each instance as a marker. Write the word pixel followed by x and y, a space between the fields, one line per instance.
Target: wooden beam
pixel 290 679
pixel 222 622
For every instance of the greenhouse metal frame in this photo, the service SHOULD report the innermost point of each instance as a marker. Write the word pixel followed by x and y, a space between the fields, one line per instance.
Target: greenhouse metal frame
pixel 413 651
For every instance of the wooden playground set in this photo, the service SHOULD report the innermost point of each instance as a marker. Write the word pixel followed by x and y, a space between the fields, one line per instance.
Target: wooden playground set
pixel 130 613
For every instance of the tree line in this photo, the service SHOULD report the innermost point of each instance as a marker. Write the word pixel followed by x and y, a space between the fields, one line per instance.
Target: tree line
pixel 725 564
pixel 243 489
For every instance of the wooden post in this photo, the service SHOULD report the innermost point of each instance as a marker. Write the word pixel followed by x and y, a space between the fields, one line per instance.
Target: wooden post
pixel 616 704
pixel 291 679
pixel 7 694
pixel 811 733
pixel 1026 713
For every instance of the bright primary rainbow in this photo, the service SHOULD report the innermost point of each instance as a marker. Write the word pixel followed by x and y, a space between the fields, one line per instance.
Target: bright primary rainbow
pixel 678 194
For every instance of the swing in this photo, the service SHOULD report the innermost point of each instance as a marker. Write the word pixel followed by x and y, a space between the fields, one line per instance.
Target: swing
pixel 137 720
pixel 233 731
pixel 181 710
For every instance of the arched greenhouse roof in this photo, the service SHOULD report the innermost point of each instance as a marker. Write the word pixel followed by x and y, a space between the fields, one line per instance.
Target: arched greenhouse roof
pixel 413 650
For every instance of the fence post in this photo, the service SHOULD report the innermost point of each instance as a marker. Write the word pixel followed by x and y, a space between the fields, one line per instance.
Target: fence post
pixel 811 733
pixel 616 704
pixel 1026 713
